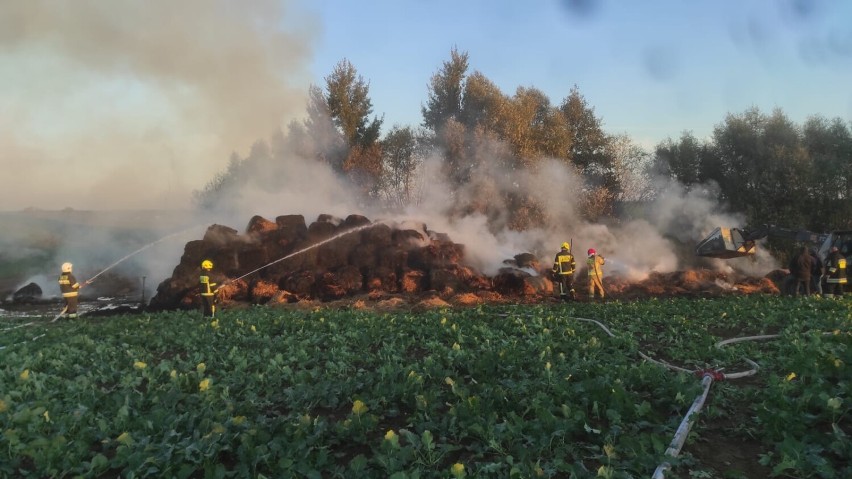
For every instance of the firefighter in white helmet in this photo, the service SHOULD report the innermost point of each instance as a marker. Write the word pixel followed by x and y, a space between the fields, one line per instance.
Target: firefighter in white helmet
pixel 69 287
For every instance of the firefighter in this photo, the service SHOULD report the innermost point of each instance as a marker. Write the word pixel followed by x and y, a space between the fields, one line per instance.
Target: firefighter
pixel 563 272
pixel 835 269
pixel 208 290
pixel 594 262
pixel 70 288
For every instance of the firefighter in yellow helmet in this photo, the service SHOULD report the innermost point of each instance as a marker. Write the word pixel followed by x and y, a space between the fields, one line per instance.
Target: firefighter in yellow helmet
pixel 563 272
pixel 594 263
pixel 208 290
pixel 69 287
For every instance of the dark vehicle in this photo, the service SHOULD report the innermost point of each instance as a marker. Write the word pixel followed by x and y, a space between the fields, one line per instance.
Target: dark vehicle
pixel 727 243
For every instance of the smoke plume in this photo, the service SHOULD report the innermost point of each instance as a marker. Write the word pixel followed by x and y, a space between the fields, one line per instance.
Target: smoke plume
pixel 130 104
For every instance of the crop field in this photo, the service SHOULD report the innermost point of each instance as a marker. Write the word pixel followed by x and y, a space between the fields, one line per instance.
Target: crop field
pixel 493 391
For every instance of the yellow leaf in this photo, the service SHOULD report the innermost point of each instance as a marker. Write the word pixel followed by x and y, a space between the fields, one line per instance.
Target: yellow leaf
pixel 358 407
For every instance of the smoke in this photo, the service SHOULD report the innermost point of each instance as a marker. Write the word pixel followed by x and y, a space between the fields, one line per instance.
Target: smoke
pixel 136 104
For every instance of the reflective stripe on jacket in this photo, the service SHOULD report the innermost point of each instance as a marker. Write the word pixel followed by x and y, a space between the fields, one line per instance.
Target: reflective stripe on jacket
pixel 564 263
pixel 835 268
pixel 68 285
pixel 594 263
pixel 206 286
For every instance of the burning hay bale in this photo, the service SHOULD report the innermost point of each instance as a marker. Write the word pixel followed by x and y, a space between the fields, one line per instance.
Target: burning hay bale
pixel 289 261
pixel 329 259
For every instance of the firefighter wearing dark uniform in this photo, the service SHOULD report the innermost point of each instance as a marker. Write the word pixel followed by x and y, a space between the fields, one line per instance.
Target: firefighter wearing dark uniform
pixel 563 272
pixel 594 263
pixel 69 287
pixel 208 290
pixel 835 270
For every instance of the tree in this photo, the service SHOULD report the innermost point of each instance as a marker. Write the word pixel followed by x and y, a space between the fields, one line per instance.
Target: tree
pixel 588 140
pixel 349 105
pixel 482 103
pixel 682 160
pixel 401 160
pixel 533 127
pixel 319 138
pixel 829 144
pixel 631 167
pixel 445 92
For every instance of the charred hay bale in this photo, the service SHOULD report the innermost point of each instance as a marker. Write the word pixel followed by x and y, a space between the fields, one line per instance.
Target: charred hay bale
pixel 381 278
pixel 409 238
pixel 363 255
pixel 321 230
pixel 444 279
pixel 193 254
pixel 326 218
pixel 259 226
pixel 392 258
pixel 457 278
pixel 28 293
pixel 328 287
pixel 251 257
pixel 350 278
pixel 354 221
pixel 336 253
pixel 263 291
pixel 778 277
pixel 412 281
pixel 237 290
pixel 379 235
pixel 291 227
pixel 284 297
pixel 287 264
pixel 513 281
pixel 435 255
pixel 527 260
pixel 300 283
pixel 220 235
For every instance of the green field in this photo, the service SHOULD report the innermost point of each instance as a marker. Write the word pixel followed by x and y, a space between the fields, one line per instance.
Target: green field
pixel 492 391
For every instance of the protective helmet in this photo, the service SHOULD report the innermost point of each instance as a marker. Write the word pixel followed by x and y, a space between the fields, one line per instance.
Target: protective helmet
pixel 591 251
pixel 206 264
pixel 66 267
pixel 566 245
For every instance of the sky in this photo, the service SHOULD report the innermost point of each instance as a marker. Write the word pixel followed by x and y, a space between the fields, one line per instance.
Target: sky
pixel 134 105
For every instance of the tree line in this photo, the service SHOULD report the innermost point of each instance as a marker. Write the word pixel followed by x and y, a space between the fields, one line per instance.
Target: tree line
pixel 765 166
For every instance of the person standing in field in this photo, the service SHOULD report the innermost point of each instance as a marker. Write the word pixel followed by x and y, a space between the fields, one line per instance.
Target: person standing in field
pixel 800 267
pixel 208 290
pixel 835 269
pixel 595 263
pixel 69 287
pixel 563 272
pixel 817 270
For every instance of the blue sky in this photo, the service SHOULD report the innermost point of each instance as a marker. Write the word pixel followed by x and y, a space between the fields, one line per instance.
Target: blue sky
pixel 650 69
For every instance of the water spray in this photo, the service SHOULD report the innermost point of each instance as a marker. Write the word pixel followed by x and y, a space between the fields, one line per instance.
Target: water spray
pixel 121 260
pixel 308 248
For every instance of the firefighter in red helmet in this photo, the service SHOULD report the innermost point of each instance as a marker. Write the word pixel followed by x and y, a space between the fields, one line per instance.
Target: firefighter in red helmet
pixel 595 263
